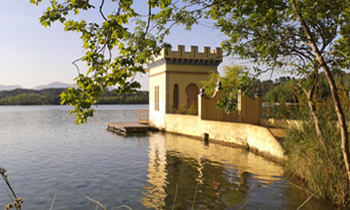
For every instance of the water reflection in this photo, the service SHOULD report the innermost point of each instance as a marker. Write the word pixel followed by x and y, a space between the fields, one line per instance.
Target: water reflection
pixel 183 173
pixel 43 152
pixel 155 192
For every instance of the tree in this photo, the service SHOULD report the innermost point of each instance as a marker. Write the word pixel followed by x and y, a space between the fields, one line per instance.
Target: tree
pixel 302 37
pixel 236 78
pixel 232 77
pixel 114 52
pixel 283 93
pixel 299 36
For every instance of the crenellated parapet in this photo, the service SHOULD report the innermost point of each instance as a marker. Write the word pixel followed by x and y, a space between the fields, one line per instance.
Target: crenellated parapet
pixel 193 57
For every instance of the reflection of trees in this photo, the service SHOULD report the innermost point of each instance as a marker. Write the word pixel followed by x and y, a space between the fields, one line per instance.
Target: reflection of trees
pixel 217 188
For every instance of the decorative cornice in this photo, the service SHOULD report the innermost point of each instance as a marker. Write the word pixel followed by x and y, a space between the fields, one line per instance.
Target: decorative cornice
pixel 157 63
pixel 179 72
pixel 183 61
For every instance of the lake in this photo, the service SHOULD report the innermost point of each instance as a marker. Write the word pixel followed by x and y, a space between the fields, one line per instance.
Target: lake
pixel 45 154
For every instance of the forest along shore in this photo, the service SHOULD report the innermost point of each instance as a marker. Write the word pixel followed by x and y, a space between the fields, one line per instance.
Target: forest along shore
pixel 52 97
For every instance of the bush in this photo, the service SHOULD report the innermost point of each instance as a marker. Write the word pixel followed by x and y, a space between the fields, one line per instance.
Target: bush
pixel 319 164
pixel 281 111
pixel 184 109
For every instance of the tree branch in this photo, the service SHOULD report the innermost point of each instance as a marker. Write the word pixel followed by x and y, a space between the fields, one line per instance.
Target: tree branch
pixel 101 12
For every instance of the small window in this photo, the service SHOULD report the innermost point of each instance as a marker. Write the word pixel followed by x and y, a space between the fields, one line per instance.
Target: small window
pixel 156 98
pixel 176 97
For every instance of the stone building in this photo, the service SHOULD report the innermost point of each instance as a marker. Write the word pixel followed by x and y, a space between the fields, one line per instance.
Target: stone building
pixel 174 79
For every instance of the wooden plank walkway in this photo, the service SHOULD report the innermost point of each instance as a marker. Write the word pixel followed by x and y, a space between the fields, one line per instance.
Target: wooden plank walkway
pixel 125 128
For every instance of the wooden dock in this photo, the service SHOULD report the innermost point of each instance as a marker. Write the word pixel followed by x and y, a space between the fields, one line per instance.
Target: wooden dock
pixel 125 128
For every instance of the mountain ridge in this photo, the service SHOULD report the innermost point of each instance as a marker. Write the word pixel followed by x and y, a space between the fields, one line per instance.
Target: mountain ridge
pixel 55 84
pixel 10 87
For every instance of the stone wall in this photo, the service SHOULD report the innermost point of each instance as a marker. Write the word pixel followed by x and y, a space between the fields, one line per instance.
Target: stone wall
pixel 281 123
pixel 254 137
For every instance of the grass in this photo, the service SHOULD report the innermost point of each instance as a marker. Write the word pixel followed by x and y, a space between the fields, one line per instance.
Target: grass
pixel 320 167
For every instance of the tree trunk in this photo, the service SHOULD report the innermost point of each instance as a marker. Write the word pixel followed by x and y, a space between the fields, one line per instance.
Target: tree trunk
pixel 309 95
pixel 333 90
pixel 314 116
pixel 340 114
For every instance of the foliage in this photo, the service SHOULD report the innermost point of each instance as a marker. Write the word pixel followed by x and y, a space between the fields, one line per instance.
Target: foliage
pixel 283 111
pixel 321 167
pixel 262 87
pixel 229 82
pixel 236 78
pixel 283 93
pixel 139 97
pixel 268 31
pixel 114 52
pixel 211 84
pixel 228 104
pixel 184 109
pixel 51 97
pixel 342 79
pixel 287 90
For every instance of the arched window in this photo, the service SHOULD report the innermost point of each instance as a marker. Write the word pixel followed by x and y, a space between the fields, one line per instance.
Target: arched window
pixel 176 97
pixel 192 92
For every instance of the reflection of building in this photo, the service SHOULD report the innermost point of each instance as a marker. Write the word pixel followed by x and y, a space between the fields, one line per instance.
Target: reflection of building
pixel 174 79
pixel 180 166
pixel 155 191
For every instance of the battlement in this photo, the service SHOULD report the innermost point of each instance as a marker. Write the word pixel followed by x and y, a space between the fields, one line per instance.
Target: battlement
pixel 193 53
pixel 193 57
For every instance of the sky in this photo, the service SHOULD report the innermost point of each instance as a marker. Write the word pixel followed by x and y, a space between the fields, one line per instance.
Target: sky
pixel 32 55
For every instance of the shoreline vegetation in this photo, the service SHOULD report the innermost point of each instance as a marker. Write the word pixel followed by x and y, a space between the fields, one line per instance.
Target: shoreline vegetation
pixel 318 164
pixel 51 96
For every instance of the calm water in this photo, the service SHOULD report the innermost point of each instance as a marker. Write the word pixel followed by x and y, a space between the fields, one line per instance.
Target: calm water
pixel 45 152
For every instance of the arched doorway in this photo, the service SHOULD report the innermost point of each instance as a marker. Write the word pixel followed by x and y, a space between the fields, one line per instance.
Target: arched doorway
pixel 192 92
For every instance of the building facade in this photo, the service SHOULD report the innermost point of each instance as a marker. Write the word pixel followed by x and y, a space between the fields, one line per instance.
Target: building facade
pixel 174 79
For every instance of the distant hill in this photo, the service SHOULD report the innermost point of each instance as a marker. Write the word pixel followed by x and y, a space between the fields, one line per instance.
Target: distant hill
pixel 52 85
pixel 9 87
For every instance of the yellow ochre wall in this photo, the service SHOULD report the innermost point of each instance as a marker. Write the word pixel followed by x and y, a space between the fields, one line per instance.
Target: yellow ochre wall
pixel 248 110
pixel 255 137
pixel 207 108
pixel 176 74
